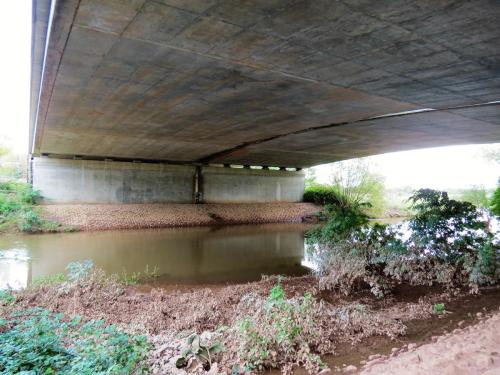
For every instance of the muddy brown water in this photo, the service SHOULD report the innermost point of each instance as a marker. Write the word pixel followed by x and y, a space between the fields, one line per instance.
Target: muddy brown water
pixel 183 256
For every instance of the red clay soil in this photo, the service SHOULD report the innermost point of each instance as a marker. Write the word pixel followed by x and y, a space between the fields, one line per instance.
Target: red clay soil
pixel 469 351
pixel 135 216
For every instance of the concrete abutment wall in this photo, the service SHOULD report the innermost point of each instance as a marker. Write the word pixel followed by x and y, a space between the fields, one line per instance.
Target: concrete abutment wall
pixel 92 181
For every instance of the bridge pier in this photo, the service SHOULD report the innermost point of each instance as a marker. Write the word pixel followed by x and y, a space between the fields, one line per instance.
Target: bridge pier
pixel 108 181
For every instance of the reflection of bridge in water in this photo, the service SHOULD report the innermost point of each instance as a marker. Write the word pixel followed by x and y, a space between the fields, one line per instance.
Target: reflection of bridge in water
pixel 181 85
pixel 185 255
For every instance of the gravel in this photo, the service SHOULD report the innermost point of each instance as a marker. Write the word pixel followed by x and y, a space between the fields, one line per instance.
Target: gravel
pixel 135 216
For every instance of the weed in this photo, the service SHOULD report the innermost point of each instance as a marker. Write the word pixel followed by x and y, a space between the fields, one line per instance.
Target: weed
pixel 79 270
pixel 49 279
pixel 439 308
pixel 202 350
pixel 280 333
pixel 139 277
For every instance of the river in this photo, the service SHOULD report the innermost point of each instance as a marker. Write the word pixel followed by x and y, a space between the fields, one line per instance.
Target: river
pixel 197 255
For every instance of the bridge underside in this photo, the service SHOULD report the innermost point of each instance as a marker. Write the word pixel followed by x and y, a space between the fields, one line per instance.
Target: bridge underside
pixel 290 83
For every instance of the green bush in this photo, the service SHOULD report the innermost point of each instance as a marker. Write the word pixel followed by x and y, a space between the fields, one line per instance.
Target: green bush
pixel 446 227
pixel 39 342
pixel 16 208
pixel 342 211
pixel 495 202
pixel 340 223
pixel 323 195
pixel 447 242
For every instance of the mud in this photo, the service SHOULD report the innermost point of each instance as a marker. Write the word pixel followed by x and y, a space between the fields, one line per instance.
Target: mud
pixel 464 351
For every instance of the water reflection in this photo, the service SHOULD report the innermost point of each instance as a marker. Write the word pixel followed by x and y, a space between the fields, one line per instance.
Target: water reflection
pixel 182 255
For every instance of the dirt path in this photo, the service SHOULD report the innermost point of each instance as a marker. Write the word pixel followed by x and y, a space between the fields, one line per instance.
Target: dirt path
pixel 469 351
pixel 135 216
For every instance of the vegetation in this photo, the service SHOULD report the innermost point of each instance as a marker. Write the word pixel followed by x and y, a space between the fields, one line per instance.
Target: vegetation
pixel 82 270
pixel 199 349
pixel 138 277
pixel 439 308
pixel 477 195
pixel 56 278
pixel 40 342
pixel 310 178
pixel 17 200
pixel 280 333
pixel 352 184
pixel 241 327
pixel 12 166
pixel 495 202
pixel 6 297
pixel 446 242
pixel 16 205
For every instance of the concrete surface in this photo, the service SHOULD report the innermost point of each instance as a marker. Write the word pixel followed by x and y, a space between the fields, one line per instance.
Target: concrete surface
pixel 283 82
pixel 225 185
pixel 93 181
pixel 88 181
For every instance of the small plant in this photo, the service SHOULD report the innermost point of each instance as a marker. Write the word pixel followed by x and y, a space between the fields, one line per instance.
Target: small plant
pixel 200 349
pixel 139 277
pixel 40 342
pixel 6 297
pixel 50 279
pixel 280 333
pixel 439 308
pixel 79 270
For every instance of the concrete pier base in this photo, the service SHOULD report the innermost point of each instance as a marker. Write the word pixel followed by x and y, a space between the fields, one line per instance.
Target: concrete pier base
pixel 95 181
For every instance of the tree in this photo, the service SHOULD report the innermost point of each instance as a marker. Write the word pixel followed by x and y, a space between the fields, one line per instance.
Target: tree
pixel 310 179
pixel 356 181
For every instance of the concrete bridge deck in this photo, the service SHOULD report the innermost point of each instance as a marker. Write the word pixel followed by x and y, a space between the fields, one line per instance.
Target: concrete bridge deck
pixel 290 83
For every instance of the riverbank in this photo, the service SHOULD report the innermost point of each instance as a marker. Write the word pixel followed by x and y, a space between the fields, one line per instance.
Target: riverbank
pixel 137 216
pixel 362 326
pixel 465 351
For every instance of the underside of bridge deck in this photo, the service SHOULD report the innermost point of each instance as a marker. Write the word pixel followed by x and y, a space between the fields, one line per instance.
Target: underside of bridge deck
pixel 268 82
pixel 288 83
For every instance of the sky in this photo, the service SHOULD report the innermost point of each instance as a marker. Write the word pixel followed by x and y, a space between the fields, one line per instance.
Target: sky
pixel 15 34
pixel 437 168
pixel 444 167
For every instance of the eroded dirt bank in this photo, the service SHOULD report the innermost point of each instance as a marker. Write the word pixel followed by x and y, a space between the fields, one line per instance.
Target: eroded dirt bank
pixel 347 323
pixel 469 351
pixel 136 216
